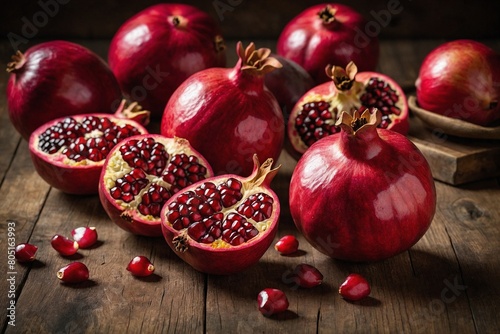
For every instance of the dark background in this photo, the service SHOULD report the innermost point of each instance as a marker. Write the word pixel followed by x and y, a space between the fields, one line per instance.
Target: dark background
pixel 92 19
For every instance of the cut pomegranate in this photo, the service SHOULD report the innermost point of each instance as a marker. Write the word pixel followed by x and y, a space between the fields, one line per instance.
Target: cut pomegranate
pixel 68 153
pixel 141 266
pixel 287 245
pixel 85 236
pixel 315 114
pixel 141 174
pixel 355 287
pixel 63 245
pixel 74 272
pixel 25 252
pixel 272 301
pixel 306 276
pixel 224 224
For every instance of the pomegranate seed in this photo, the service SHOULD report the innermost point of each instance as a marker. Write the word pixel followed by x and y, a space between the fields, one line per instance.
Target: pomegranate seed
pixel 63 245
pixel 85 236
pixel 74 272
pixel 272 301
pixel 287 245
pixel 355 287
pixel 141 266
pixel 25 252
pixel 306 276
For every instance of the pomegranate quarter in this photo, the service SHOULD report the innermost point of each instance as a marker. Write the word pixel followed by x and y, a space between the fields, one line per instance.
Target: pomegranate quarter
pixel 223 224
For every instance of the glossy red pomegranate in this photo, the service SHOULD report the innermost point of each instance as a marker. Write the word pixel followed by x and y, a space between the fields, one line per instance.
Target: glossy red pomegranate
pixel 56 79
pixel 69 152
pixel 363 194
pixel 154 51
pixel 329 34
pixel 461 79
pixel 314 115
pixel 141 174
pixel 223 225
pixel 227 114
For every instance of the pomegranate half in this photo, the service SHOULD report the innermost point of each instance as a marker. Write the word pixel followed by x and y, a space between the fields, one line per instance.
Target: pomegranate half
pixel 69 152
pixel 141 173
pixel 363 194
pixel 314 115
pixel 224 224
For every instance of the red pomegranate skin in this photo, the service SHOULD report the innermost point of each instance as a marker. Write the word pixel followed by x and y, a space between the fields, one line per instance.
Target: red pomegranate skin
pixel 59 79
pixel 461 79
pixel 313 43
pixel 151 56
pixel 349 209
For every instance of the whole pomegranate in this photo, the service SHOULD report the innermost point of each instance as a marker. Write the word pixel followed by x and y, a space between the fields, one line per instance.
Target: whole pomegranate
pixel 224 224
pixel 461 79
pixel 314 115
pixel 227 114
pixel 363 194
pixel 56 79
pixel 328 34
pixel 141 173
pixel 69 152
pixel 153 52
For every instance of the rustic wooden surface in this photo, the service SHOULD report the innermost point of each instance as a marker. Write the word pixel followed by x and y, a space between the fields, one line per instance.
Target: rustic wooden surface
pixel 447 283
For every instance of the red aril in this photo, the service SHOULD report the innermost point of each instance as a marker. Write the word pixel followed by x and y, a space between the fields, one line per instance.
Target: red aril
pixel 55 79
pixel 315 114
pixel 306 276
pixel 328 34
pixel 141 266
pixel 461 79
pixel 63 245
pixel 363 194
pixel 69 152
pixel 355 287
pixel 287 244
pixel 85 236
pixel 75 272
pixel 25 252
pixel 272 301
pixel 141 174
pixel 154 51
pixel 224 224
pixel 227 114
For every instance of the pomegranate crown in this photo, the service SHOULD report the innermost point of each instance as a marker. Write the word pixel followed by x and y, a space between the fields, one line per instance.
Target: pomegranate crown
pixel 133 111
pixel 327 14
pixel 256 61
pixel 357 122
pixel 18 60
pixel 342 78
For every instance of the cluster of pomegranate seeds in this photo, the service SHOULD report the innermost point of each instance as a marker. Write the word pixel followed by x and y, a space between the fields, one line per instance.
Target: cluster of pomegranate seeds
pixel 379 94
pixel 314 122
pixel 200 212
pixel 91 139
pixel 149 158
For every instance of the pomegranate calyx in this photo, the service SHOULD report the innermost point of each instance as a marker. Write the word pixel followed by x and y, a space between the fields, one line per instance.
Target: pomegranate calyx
pixel 343 78
pixel 255 61
pixel 18 60
pixel 261 173
pixel 327 14
pixel 178 22
pixel 357 122
pixel 133 111
pixel 219 44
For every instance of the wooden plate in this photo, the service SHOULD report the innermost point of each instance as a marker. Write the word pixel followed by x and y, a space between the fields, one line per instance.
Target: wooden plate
pixel 452 126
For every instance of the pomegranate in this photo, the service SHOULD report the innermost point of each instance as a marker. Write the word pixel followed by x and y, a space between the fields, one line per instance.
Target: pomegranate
pixel 25 252
pixel 85 236
pixel 227 114
pixel 461 79
pixel 141 266
pixel 75 272
pixel 363 194
pixel 315 114
pixel 153 52
pixel 224 224
pixel 272 301
pixel 287 245
pixel 141 174
pixel 328 33
pixel 355 287
pixel 63 245
pixel 288 83
pixel 69 152
pixel 56 79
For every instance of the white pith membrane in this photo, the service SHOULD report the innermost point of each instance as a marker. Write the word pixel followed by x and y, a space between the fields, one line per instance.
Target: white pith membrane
pixel 250 186
pixel 117 167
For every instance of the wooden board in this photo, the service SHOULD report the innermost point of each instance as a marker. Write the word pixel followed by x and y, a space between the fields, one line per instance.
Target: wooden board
pixel 456 160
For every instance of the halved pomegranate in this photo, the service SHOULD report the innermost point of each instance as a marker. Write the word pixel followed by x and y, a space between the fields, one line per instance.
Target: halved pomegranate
pixel 69 152
pixel 141 174
pixel 314 115
pixel 224 224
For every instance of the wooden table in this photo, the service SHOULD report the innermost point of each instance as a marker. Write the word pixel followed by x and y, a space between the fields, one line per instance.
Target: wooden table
pixel 447 283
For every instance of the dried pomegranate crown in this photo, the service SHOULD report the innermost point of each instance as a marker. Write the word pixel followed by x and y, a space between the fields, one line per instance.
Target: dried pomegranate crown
pixel 256 61
pixel 360 120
